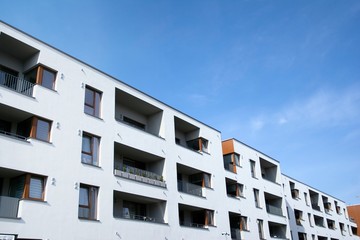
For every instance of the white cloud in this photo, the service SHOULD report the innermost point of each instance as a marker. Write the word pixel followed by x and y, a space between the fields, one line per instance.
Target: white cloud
pixel 327 107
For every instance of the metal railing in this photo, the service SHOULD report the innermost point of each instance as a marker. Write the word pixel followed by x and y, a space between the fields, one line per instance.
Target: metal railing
pixel 191 224
pixel 13 135
pixel 229 167
pixel 142 218
pixel 141 172
pixel 274 210
pixel 190 188
pixel 17 84
pixel 315 207
pixel 9 207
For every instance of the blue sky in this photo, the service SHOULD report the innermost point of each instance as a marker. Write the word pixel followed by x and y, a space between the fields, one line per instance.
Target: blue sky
pixel 281 76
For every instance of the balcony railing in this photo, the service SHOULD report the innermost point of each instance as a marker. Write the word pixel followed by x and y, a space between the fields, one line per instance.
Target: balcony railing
pixel 9 207
pixel 316 207
pixel 140 175
pixel 142 218
pixel 274 210
pixel 190 188
pixel 13 135
pixel 235 233
pixel 230 167
pixel 191 224
pixel 17 84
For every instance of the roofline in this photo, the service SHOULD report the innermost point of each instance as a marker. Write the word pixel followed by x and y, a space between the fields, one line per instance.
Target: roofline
pixel 106 74
pixel 354 205
pixel 313 188
pixel 251 148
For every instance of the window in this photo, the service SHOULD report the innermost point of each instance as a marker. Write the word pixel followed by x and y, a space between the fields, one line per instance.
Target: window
pixel 243 224
pixel 88 202
pixel 302 236
pixel 256 198
pixel 42 76
pixel 306 199
pixel 310 220
pixel 90 149
pixel 92 102
pixel 298 216
pixel 134 123
pixel 201 179
pixel 252 168
pixel 260 228
pixel 199 144
pixel 209 218
pixel 41 129
pixel 28 186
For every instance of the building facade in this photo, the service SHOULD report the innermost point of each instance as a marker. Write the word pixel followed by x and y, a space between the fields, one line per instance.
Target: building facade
pixel 86 156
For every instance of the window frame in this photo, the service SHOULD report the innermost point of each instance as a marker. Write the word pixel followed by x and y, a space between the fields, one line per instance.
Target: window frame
pixel 92 206
pixel 95 109
pixel 34 128
pixel 94 159
pixel 39 69
pixel 26 187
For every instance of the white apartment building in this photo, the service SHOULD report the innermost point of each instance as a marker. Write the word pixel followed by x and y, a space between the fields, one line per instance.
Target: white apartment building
pixel 86 156
pixel 314 214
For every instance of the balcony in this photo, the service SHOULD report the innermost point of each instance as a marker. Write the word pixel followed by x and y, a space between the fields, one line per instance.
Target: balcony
pixel 16 84
pixel 137 165
pixel 188 135
pixel 314 198
pixel 277 230
pixel 138 208
pixel 319 221
pixel 273 204
pixel 269 171
pixel 21 125
pixel 192 181
pixel 12 123
pixel 9 207
pixel 238 224
pixel 234 189
pixel 195 217
pixel 138 114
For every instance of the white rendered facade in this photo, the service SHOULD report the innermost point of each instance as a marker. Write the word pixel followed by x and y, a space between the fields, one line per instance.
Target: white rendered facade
pixel 315 214
pixel 85 156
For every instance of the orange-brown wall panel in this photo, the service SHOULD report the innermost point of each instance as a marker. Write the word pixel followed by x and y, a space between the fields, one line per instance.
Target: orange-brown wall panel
pixel 228 146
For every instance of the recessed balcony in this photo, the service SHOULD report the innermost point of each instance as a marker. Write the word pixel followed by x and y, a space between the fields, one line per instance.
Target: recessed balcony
pixel 273 204
pixel 192 181
pixel 137 165
pixel 190 216
pixel 138 208
pixel 139 114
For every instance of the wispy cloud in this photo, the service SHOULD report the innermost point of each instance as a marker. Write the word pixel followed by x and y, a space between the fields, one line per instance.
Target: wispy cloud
pixel 325 107
pixel 322 108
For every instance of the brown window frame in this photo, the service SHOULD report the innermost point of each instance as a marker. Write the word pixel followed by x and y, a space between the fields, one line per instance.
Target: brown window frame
pixel 93 105
pixel 94 162
pixel 39 75
pixel 34 127
pixel 92 206
pixel 26 187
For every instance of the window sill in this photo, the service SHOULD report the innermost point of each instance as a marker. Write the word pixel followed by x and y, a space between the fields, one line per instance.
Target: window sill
pixel 40 140
pixel 96 117
pixel 89 219
pixel 34 200
pixel 50 89
pixel 92 165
